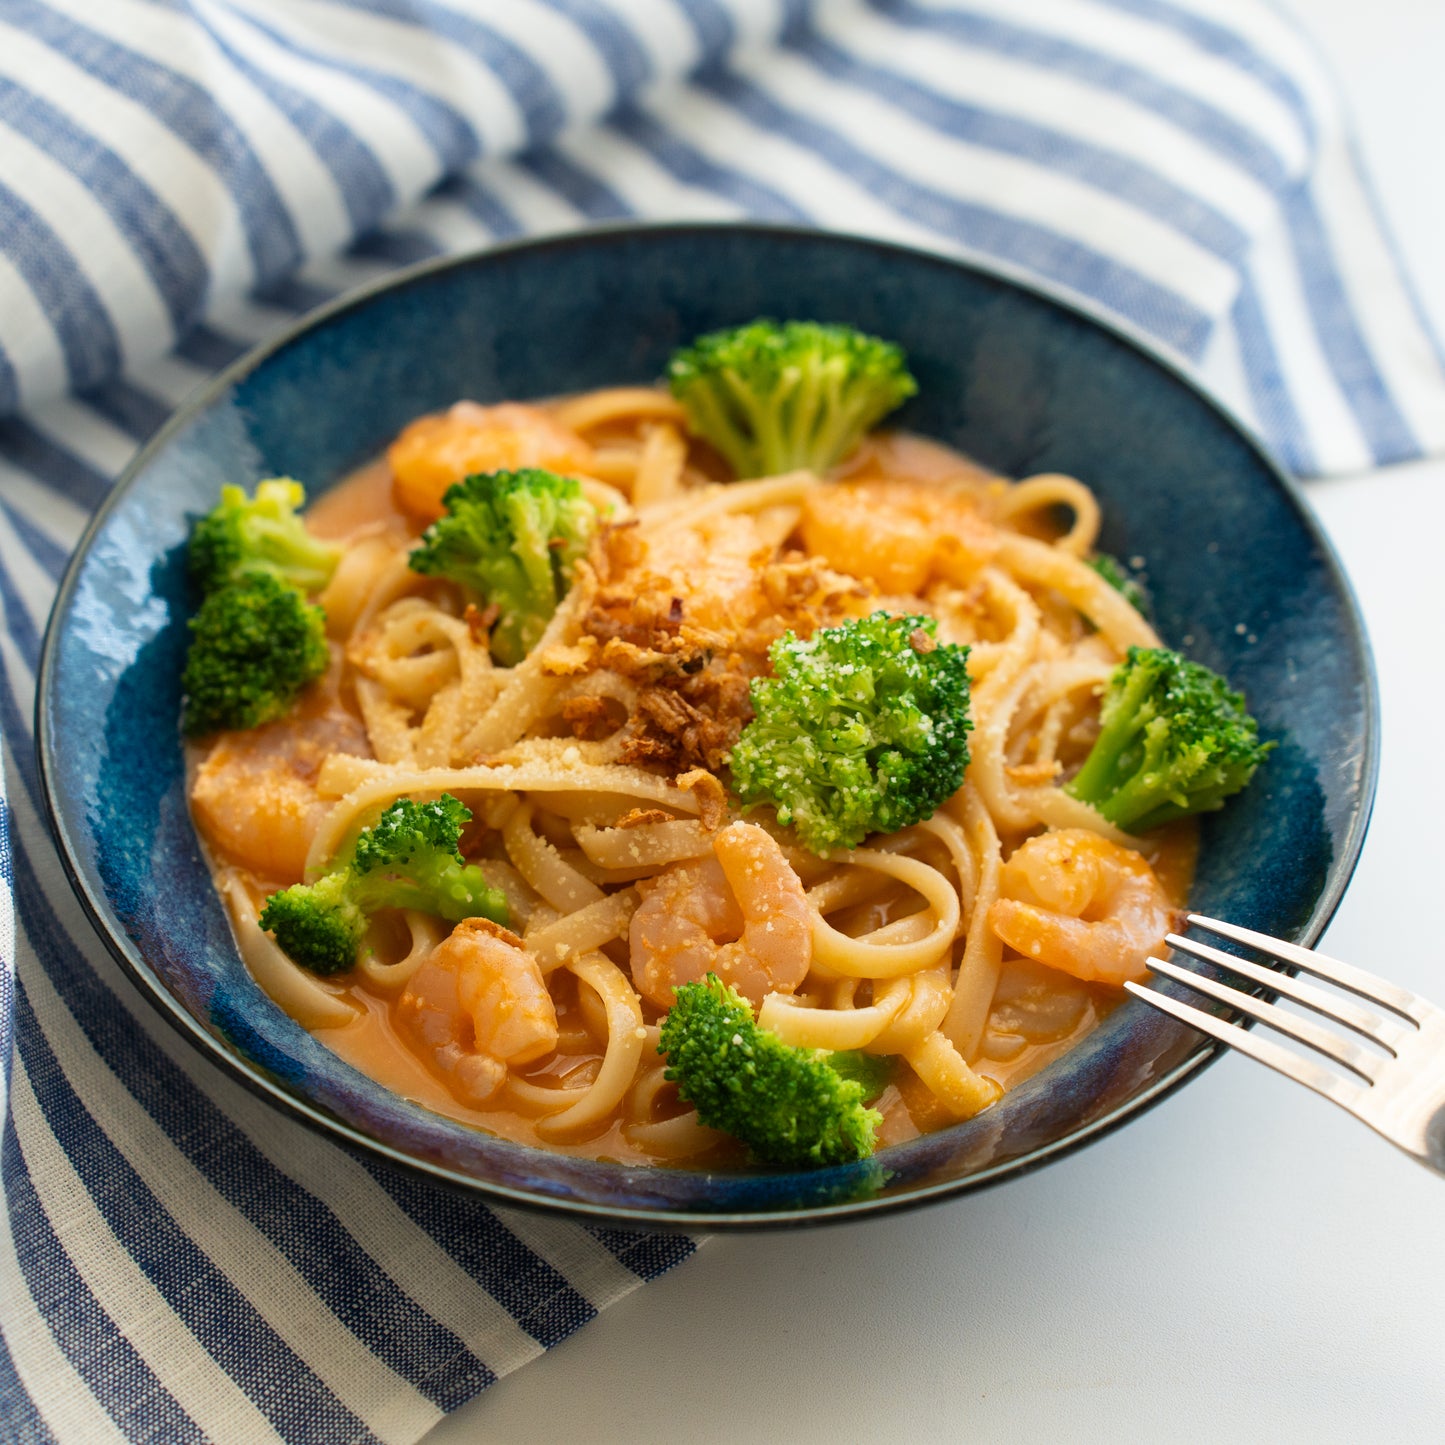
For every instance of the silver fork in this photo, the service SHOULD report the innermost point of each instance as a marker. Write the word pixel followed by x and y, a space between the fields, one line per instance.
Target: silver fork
pixel 1402 1093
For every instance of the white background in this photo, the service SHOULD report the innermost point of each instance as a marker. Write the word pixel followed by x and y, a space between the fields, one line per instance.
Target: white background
pixel 1244 1262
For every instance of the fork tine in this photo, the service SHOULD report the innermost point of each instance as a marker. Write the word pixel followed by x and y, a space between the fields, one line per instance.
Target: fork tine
pixel 1302 1030
pixel 1346 975
pixel 1262 1050
pixel 1388 1035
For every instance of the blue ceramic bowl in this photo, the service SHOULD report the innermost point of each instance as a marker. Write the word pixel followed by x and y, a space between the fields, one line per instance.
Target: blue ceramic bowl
pixel 1240 573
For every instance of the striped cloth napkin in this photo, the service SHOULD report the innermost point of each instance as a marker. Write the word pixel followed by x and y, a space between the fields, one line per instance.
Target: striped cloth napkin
pixel 180 178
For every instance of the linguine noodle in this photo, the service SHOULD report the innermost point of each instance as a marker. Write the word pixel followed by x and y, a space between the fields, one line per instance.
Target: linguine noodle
pixel 595 772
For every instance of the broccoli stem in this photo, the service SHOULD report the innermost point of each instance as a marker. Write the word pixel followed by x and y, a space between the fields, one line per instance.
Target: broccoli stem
pixel 762 414
pixel 1109 762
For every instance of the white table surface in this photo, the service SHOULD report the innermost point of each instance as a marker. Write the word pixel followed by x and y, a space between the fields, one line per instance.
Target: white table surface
pixel 1243 1262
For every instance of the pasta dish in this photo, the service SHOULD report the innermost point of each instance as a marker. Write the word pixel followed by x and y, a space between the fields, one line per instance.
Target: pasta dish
pixel 861 745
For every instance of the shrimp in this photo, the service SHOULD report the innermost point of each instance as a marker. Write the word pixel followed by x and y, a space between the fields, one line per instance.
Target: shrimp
pixel 740 914
pixel 475 1007
pixel 436 451
pixel 255 798
pixel 1084 905
pixel 897 534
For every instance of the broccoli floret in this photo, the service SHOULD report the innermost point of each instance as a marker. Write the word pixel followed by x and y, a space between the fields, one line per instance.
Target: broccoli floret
pixel 408 858
pixel 264 533
pixel 255 640
pixel 1122 581
pixel 786 1104
pixel 514 538
pixel 862 729
pixel 776 397
pixel 318 925
pixel 255 643
pixel 1173 739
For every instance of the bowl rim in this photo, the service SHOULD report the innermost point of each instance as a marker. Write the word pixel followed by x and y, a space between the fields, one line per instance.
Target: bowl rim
pixel 206 393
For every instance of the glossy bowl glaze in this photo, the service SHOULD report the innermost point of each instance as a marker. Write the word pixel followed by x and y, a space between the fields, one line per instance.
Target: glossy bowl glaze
pixel 1240 574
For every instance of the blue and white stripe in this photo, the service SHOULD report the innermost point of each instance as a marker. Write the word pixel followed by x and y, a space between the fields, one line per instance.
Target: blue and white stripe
pixel 179 178
pixel 1186 167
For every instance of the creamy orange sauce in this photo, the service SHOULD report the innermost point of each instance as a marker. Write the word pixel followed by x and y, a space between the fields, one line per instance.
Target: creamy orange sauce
pixel 1037 1016
pixel 373 1045
pixel 364 500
